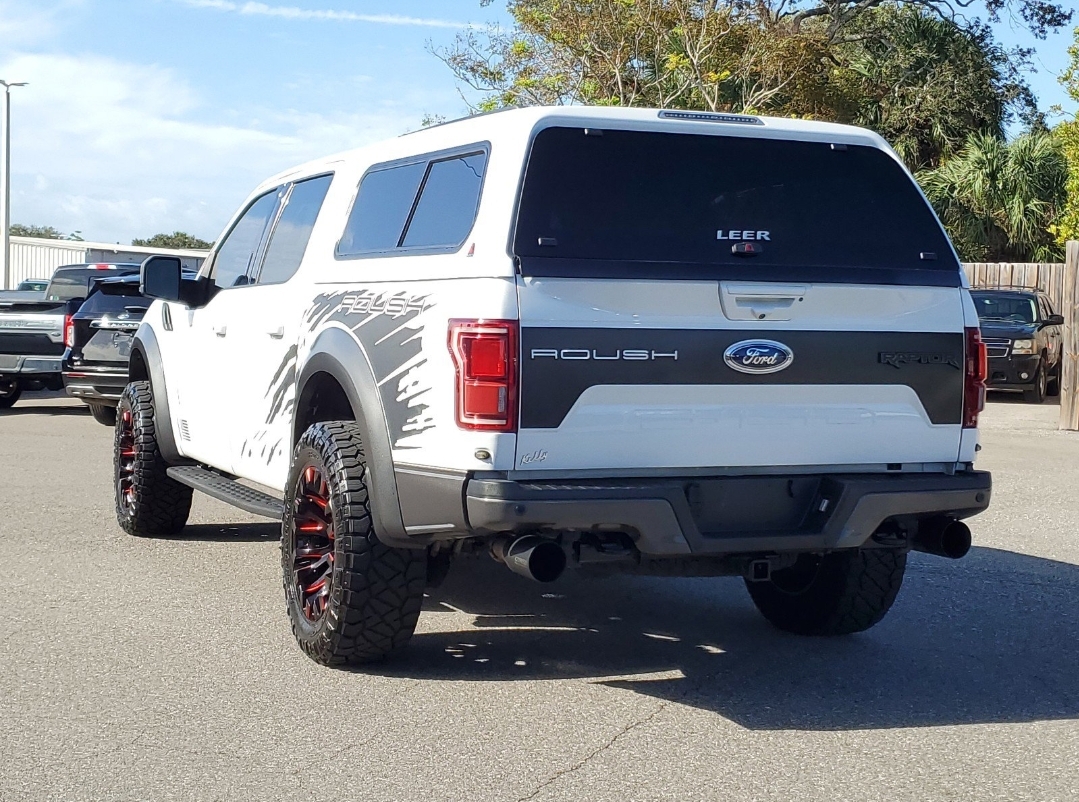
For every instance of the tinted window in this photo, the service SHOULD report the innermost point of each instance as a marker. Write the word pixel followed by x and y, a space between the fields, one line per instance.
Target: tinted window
pixel 1009 308
pixel 448 202
pixel 293 230
pixel 114 298
pixel 381 209
pixel 641 197
pixel 237 251
pixel 75 282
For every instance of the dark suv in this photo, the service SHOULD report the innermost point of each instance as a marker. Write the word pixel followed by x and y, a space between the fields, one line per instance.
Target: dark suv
pixel 98 339
pixel 1022 333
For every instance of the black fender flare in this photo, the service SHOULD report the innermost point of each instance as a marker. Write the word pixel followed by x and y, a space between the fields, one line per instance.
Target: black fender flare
pixel 337 353
pixel 145 345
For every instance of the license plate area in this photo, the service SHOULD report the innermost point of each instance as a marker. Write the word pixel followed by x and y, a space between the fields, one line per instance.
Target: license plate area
pixel 752 504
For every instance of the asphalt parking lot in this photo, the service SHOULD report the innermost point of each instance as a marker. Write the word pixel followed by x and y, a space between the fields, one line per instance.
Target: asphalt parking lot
pixel 164 669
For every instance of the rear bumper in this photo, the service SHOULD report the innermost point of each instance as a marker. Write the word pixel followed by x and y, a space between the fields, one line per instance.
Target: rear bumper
pixel 105 386
pixel 1012 371
pixel 726 515
pixel 11 365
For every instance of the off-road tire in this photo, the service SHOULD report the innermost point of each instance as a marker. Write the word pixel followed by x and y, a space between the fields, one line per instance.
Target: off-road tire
pixel 103 414
pixel 832 594
pixel 1052 388
pixel 375 591
pixel 1035 394
pixel 9 395
pixel 159 505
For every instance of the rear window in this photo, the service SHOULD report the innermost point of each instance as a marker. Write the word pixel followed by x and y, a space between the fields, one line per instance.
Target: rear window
pixel 1005 308
pixel 75 282
pixel 111 298
pixel 428 204
pixel 633 203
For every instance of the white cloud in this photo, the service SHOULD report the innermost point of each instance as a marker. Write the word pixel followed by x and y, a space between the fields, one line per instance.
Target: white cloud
pixel 292 12
pixel 24 23
pixel 119 149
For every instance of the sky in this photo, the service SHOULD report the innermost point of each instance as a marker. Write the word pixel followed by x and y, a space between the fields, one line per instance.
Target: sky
pixel 147 116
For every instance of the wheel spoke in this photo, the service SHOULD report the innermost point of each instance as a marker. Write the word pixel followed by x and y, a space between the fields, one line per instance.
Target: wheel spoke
pixel 312 539
pixel 127 455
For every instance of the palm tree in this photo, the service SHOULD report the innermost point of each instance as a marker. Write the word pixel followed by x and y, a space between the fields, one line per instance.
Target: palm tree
pixel 999 199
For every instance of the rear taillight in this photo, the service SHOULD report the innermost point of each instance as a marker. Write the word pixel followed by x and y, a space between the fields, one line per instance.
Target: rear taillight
pixel 975 372
pixel 485 357
pixel 69 331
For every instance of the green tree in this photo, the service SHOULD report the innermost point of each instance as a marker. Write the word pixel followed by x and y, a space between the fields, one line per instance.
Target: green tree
pixel 43 232
pixel 923 80
pixel 1000 200
pixel 177 239
pixel 925 84
pixel 1067 135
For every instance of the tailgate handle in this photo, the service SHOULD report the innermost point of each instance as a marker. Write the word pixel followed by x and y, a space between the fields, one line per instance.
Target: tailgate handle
pixel 760 301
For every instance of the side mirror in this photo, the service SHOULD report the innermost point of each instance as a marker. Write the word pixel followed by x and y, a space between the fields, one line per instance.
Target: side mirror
pixel 1053 320
pixel 160 278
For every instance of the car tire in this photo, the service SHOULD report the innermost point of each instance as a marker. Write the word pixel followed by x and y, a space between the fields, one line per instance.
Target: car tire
pixel 9 394
pixel 148 501
pixel 103 414
pixel 1035 394
pixel 837 593
pixel 1052 387
pixel 350 598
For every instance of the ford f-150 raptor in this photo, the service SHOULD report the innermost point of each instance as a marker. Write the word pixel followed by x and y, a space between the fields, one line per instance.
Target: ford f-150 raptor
pixel 666 342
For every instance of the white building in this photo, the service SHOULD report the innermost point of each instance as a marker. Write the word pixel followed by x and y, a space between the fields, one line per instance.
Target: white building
pixel 32 257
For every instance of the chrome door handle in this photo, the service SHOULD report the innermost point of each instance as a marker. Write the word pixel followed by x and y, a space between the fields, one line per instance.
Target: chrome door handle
pixel 277 333
pixel 221 331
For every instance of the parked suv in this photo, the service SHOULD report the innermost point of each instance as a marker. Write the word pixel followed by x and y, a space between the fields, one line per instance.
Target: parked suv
pixel 1024 340
pixel 98 338
pixel 654 341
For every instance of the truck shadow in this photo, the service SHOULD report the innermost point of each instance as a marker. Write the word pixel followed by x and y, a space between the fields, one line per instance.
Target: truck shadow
pixel 994 638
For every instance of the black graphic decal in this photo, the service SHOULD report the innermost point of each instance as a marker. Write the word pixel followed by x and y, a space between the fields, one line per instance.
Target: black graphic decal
pixel 284 380
pixel 385 323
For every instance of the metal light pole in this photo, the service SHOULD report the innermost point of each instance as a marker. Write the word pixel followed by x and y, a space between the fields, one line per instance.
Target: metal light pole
pixel 5 191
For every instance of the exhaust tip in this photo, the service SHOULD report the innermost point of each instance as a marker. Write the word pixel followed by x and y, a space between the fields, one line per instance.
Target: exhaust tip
pixel 944 537
pixel 543 563
pixel 955 540
pixel 530 556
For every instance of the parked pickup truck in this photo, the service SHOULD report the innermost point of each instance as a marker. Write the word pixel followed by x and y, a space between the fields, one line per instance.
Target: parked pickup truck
pixel 661 342
pixel 32 329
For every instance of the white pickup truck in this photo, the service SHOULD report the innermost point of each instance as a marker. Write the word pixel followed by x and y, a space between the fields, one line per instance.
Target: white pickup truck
pixel 613 339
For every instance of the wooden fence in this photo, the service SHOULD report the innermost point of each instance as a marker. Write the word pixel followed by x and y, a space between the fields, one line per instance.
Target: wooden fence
pixel 1048 277
pixel 1061 283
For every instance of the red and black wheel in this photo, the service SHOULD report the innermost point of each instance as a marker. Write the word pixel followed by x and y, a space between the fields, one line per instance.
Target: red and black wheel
pixel 313 547
pixel 148 501
pixel 350 598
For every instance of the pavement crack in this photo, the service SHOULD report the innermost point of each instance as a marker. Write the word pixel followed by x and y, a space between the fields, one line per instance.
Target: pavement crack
pixel 595 753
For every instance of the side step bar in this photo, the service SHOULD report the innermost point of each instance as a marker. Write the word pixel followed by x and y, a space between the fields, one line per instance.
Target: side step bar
pixel 228 490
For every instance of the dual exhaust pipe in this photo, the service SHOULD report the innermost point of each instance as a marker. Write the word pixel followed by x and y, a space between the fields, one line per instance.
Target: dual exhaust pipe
pixel 537 558
pixel 544 560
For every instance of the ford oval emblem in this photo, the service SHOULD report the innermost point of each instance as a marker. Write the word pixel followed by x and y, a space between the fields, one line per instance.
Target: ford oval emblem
pixel 758 356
